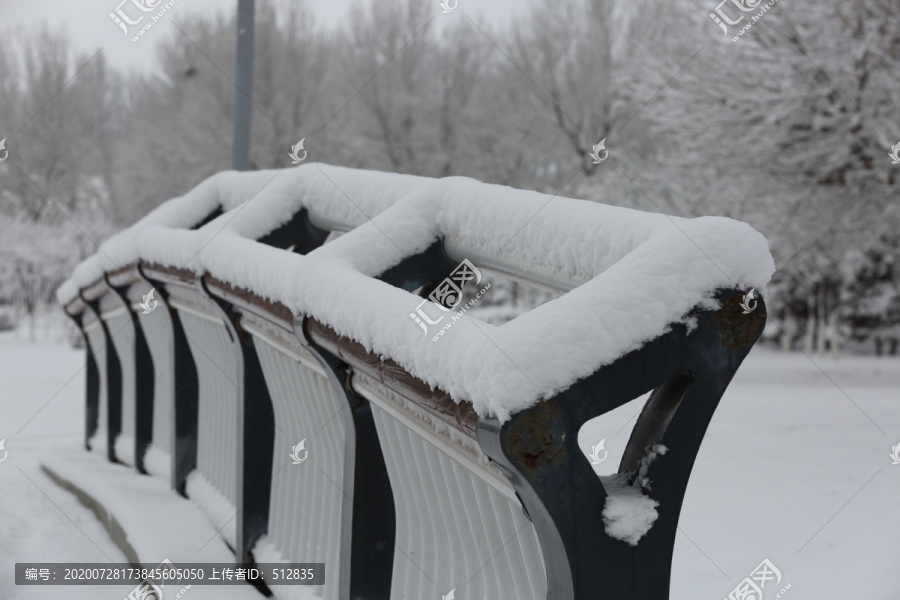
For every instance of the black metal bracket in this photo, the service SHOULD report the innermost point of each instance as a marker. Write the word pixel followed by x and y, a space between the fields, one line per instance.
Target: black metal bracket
pixel 537 449
pixel 213 215
pixel 185 393
pixel 256 432
pixel 299 232
pixel 113 375
pixel 144 379
pixel 368 516
pixel 92 380
pixel 429 266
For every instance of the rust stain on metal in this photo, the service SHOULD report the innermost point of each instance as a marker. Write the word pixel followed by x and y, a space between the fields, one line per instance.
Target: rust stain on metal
pixel 460 416
pixel 536 438
pixel 124 276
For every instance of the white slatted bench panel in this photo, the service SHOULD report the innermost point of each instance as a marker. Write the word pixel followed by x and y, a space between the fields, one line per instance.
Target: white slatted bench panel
pixel 97 346
pixel 157 327
pixel 305 510
pixel 121 329
pixel 214 483
pixel 459 524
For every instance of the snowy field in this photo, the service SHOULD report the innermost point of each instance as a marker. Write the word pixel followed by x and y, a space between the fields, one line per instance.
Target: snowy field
pixel 791 470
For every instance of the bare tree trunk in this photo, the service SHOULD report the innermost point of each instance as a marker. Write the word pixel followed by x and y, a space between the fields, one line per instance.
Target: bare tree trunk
pixel 820 318
pixel 789 331
pixel 810 323
pixel 833 332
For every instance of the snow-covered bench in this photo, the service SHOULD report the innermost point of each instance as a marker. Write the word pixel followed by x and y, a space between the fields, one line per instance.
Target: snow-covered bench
pixel 130 418
pixel 415 462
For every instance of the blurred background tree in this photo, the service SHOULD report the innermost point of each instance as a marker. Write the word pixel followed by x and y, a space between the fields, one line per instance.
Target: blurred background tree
pixel 787 129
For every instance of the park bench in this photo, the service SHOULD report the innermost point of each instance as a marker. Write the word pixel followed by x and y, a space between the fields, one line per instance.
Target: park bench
pixel 311 382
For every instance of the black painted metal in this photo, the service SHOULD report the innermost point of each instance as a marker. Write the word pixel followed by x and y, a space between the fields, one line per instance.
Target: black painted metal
pixel 187 405
pixel 256 416
pixel 368 517
pixel 92 382
pixel 299 232
pixel 369 513
pixel 537 449
pixel 144 380
pixel 258 442
pixel 112 372
pixel 92 400
pixel 215 214
pixel 186 393
pixel 256 432
pixel 428 267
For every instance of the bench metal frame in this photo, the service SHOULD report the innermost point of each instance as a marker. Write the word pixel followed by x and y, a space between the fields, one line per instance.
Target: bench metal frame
pixel 687 370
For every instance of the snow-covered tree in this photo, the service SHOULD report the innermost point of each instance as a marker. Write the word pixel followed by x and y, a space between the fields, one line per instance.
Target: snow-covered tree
pixel 871 295
pixel 58 128
pixel 35 258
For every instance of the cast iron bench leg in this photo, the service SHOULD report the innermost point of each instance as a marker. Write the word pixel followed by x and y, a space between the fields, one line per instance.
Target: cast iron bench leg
pixel 538 451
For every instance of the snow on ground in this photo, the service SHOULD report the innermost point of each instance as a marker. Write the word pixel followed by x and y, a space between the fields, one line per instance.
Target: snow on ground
pixel 41 393
pixel 159 525
pixel 785 451
pixel 790 470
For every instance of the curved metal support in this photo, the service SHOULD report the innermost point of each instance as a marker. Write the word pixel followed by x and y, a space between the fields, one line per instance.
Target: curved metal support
pixel 368 517
pixel 256 432
pixel 113 376
pixel 185 393
pixel 92 380
pixel 144 380
pixel 537 449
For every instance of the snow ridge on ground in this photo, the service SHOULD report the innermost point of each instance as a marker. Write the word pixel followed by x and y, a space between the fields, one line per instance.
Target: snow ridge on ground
pixel 220 510
pixel 156 523
pixel 265 552
pixel 639 272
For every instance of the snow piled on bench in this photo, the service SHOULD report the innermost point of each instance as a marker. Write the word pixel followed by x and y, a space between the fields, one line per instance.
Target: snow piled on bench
pixel 628 512
pixel 225 191
pixel 639 272
pixel 277 194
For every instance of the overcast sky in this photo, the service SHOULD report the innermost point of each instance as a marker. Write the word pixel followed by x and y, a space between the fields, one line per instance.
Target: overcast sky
pixel 91 28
